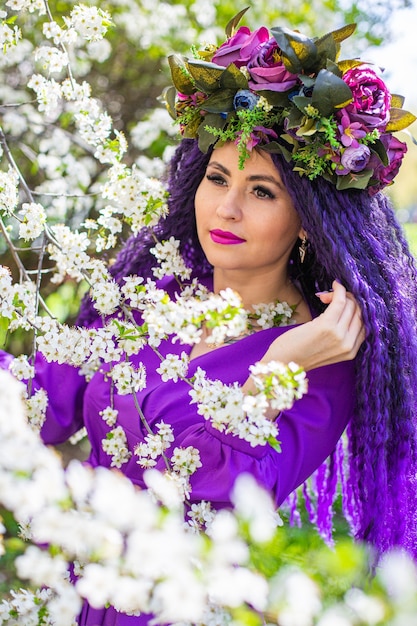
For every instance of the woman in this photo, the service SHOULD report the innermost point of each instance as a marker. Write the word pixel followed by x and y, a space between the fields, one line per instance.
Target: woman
pixel 326 242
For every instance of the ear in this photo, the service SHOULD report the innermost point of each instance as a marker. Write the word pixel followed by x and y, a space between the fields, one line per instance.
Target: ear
pixel 302 234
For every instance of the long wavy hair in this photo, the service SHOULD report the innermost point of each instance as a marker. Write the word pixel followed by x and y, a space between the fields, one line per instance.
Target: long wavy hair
pixel 355 238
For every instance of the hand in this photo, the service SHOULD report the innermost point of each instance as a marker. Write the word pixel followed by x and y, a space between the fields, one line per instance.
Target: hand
pixel 335 335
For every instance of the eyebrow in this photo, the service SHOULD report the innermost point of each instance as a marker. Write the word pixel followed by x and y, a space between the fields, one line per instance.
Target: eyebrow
pixel 255 177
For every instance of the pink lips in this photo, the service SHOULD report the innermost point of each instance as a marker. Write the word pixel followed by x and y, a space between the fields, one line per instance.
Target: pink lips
pixel 224 237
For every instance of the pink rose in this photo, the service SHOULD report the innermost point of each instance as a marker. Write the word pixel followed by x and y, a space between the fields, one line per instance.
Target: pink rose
pixel 253 44
pixel 229 51
pixel 385 174
pixel 371 98
pixel 267 71
pixel 240 48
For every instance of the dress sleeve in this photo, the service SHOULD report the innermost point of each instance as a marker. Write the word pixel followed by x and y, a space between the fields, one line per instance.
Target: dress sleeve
pixel 308 433
pixel 65 388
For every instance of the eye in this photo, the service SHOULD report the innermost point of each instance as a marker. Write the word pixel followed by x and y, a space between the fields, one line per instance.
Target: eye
pixel 263 192
pixel 217 179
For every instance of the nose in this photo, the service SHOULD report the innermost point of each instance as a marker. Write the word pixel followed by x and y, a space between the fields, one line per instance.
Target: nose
pixel 229 208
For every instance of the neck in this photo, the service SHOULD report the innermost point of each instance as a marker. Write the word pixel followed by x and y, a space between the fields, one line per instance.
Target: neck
pixel 258 288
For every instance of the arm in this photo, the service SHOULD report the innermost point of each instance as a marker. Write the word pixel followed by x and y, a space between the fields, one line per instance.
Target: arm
pixel 308 433
pixel 333 337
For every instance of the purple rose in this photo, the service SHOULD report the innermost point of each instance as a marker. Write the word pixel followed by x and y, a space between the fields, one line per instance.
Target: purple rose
pixel 355 159
pixel 385 174
pixel 371 98
pixel 240 48
pixel 267 71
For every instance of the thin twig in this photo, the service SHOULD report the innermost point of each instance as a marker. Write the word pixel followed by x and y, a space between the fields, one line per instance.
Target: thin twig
pixel 22 270
pixel 148 428
pixel 14 165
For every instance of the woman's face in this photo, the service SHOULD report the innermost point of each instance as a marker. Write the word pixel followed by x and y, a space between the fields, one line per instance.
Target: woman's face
pixel 245 218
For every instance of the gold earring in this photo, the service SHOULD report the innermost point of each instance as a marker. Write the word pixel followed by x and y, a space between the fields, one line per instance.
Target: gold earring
pixel 302 249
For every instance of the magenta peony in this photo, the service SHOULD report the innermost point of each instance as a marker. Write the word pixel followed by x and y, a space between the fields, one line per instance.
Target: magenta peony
pixel 371 98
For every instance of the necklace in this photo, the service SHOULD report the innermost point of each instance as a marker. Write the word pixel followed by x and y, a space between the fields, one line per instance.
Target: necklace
pixel 263 316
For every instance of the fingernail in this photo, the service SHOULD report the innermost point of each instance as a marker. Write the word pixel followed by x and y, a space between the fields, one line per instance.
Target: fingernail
pixel 320 293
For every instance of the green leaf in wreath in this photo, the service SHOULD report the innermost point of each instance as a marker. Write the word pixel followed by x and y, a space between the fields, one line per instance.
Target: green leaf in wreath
pixel 190 130
pixel 233 78
pixel 295 116
pixel 180 75
pixel 206 76
pixel 348 64
pixel 334 68
pixel 399 119
pixel 354 181
pixel 343 33
pixel 301 102
pixel 327 49
pixel 298 51
pixel 379 149
pixel 205 138
pixel 168 97
pixel 277 99
pixel 220 102
pixel 397 101
pixel 330 93
pixel 231 26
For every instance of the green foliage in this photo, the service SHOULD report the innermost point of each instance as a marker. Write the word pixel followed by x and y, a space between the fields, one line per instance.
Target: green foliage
pixel 14 546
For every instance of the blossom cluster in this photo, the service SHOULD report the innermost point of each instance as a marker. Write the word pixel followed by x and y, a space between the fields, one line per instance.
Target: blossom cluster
pixel 169 258
pixel 229 410
pixel 33 220
pixel 290 94
pixel 126 552
pixel 184 317
pixel 134 552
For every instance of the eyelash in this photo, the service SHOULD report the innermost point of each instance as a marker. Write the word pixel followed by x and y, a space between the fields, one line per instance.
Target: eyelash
pixel 215 178
pixel 265 193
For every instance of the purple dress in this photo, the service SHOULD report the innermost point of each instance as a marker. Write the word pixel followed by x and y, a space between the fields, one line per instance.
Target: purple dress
pixel 308 431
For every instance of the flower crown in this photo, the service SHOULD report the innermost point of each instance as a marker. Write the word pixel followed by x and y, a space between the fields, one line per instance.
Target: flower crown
pixel 289 94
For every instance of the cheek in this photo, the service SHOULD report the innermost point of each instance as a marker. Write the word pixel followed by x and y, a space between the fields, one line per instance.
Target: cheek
pixel 279 228
pixel 203 208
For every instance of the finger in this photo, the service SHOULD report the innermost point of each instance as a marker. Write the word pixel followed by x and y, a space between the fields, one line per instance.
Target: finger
pixel 327 296
pixel 337 304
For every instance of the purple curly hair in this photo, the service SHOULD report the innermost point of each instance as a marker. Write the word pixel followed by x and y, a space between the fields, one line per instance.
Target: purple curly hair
pixel 355 238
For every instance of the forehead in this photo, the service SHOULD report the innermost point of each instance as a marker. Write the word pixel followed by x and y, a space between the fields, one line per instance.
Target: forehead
pixel 259 164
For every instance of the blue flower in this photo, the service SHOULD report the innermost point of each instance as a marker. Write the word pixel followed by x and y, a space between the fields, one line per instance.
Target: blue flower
pixel 245 99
